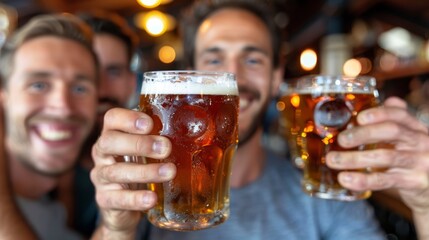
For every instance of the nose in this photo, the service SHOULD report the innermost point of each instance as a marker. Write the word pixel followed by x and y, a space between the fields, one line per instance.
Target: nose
pixel 60 100
pixel 236 68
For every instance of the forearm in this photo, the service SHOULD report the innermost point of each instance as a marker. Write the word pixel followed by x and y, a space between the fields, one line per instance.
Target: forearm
pixel 421 223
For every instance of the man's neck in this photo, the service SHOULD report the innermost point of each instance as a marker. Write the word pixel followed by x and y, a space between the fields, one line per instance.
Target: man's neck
pixel 249 161
pixel 27 183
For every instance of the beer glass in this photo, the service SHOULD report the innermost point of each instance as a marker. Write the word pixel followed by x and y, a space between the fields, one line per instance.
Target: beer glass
pixel 198 112
pixel 329 105
pixel 289 127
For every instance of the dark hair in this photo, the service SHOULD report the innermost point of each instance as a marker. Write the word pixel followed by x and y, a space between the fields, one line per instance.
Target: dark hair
pixel 64 26
pixel 113 24
pixel 201 10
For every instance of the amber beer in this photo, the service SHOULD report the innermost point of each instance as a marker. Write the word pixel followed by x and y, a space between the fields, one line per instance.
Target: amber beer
pixel 328 106
pixel 288 121
pixel 198 112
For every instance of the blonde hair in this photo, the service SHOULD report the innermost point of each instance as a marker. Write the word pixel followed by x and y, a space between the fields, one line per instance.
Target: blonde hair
pixel 64 26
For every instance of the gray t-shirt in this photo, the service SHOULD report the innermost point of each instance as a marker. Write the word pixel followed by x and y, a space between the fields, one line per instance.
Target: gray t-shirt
pixel 47 218
pixel 275 207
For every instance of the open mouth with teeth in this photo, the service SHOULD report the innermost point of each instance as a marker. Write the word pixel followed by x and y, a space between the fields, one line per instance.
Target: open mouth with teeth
pixel 247 97
pixel 245 101
pixel 55 133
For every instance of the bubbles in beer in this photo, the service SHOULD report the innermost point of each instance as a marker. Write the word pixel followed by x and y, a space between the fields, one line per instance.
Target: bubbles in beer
pixel 172 190
pixel 206 168
pixel 331 116
pixel 209 157
pixel 225 122
pixel 190 121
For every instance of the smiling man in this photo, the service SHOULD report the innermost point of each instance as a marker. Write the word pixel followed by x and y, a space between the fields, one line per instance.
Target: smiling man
pixel 49 81
pixel 266 201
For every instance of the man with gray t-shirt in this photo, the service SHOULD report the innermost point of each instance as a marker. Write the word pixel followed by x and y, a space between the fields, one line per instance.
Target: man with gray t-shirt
pixel 266 200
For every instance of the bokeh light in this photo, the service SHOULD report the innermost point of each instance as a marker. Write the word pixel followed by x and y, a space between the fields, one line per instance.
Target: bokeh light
pixel 366 65
pixel 308 59
pixel 149 3
pixel 155 23
pixel 167 54
pixel 352 67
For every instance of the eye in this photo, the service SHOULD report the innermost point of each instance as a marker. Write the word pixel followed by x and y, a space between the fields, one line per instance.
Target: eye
pixel 80 89
pixel 38 86
pixel 252 61
pixel 212 61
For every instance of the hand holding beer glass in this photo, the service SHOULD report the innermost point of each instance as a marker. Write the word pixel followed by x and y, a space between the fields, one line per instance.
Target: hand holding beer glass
pixel 328 105
pixel 198 112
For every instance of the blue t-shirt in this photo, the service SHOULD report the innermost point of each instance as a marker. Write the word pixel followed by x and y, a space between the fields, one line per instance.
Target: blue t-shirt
pixel 275 207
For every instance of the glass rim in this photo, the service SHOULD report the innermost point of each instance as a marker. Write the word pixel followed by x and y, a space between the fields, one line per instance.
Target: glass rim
pixel 337 81
pixel 320 83
pixel 327 76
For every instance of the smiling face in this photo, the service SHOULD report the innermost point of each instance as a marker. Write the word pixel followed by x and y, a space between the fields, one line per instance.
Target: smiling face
pixel 237 41
pixel 50 103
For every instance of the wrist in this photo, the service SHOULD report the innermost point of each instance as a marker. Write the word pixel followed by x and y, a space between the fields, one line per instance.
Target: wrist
pixel 420 221
pixel 112 234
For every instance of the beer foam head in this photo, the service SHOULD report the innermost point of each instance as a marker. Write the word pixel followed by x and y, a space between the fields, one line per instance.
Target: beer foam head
pixel 190 85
